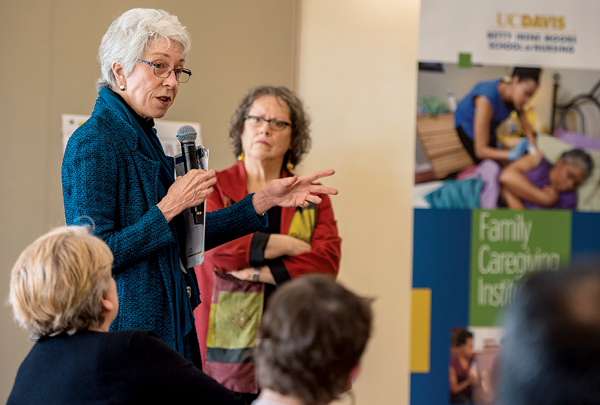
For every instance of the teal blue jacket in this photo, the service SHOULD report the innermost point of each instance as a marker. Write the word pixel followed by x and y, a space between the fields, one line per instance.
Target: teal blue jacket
pixel 106 179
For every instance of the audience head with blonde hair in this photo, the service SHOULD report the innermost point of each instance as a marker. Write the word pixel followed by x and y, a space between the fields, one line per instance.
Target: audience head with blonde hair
pixel 312 337
pixel 62 282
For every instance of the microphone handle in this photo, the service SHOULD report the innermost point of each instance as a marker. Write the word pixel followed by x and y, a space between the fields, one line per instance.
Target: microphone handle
pixel 190 161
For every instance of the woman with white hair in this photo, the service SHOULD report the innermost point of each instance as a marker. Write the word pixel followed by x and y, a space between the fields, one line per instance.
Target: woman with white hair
pixel 532 182
pixel 63 294
pixel 116 173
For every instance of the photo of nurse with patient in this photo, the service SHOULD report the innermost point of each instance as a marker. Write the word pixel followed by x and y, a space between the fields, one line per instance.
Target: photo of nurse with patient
pixel 486 154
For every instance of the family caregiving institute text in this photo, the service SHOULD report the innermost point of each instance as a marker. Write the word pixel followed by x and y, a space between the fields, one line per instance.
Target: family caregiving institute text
pixel 513 263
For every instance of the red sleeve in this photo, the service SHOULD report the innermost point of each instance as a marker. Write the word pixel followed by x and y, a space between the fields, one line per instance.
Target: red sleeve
pixel 231 255
pixel 325 254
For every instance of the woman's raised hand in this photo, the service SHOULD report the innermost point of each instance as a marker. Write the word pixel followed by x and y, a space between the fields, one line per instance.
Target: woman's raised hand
pixel 292 192
pixel 187 191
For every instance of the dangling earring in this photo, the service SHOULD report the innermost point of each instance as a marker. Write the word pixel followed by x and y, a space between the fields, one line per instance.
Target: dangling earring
pixel 122 87
pixel 289 165
pixel 240 157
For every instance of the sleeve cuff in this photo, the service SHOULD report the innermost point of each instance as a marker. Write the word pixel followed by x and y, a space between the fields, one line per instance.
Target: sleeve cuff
pixel 258 245
pixel 264 218
pixel 279 271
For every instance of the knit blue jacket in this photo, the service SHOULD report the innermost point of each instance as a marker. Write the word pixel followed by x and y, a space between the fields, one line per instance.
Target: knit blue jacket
pixel 105 178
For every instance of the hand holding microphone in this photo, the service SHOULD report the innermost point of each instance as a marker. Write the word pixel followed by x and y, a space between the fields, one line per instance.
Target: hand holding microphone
pixel 191 189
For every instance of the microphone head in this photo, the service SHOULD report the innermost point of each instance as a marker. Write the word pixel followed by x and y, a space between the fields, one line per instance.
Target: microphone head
pixel 187 134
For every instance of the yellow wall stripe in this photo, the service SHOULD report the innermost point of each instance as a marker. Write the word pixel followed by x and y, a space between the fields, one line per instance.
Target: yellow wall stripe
pixel 420 341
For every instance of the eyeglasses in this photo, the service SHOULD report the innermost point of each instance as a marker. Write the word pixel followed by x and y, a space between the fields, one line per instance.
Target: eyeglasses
pixel 163 71
pixel 275 125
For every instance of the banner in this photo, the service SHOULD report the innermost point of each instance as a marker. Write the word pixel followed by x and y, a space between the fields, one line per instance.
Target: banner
pixel 491 201
pixel 537 32
pixel 505 247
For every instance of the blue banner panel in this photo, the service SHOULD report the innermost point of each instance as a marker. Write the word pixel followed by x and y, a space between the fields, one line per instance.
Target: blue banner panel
pixel 585 236
pixel 441 262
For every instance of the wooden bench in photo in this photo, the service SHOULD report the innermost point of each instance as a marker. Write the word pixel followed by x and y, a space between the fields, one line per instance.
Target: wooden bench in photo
pixel 441 144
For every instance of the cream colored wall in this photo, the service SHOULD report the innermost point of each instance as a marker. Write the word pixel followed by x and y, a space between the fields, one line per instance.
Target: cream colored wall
pixel 24 118
pixel 355 67
pixel 50 49
pixel 357 72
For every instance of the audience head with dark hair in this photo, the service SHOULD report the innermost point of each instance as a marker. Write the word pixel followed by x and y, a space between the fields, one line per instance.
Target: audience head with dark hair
pixel 552 346
pixel 312 337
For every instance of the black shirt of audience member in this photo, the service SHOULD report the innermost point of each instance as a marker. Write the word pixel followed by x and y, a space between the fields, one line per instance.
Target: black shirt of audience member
pixel 125 367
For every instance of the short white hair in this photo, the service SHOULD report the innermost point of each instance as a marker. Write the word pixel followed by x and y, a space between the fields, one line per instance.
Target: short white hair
pixel 130 35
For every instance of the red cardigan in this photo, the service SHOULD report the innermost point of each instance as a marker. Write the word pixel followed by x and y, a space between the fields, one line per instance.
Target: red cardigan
pixel 324 256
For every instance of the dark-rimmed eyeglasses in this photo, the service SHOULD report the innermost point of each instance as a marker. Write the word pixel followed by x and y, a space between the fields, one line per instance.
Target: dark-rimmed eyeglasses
pixel 163 71
pixel 275 125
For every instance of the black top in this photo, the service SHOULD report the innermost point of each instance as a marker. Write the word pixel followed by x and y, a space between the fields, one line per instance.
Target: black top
pixel 125 367
pixel 273 227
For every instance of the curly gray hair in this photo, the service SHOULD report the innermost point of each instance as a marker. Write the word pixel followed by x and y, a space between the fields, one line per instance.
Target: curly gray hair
pixel 129 36
pixel 581 158
pixel 300 120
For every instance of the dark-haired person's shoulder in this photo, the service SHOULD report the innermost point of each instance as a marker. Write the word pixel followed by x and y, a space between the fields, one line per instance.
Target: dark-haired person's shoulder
pixel 170 377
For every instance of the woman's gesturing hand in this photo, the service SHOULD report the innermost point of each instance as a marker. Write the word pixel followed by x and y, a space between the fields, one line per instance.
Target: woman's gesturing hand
pixel 292 192
pixel 187 191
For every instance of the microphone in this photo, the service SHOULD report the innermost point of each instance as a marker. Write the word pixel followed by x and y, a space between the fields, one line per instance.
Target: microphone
pixel 187 137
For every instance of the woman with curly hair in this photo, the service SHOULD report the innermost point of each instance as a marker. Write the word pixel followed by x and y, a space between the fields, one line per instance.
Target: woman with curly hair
pixel 270 134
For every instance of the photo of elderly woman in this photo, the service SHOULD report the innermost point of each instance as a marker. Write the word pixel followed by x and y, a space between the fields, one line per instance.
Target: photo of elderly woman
pixel 533 182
